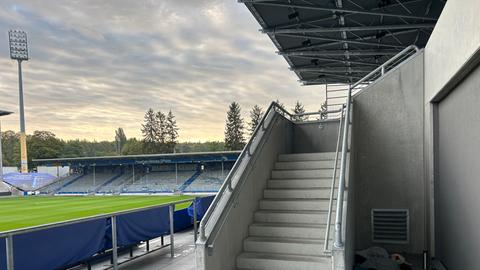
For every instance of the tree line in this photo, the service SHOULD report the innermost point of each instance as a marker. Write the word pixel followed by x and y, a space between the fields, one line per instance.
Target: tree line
pixel 160 134
pixel 236 131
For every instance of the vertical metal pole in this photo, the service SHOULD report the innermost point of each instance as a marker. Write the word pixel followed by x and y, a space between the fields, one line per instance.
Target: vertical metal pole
pixel 9 251
pixel 114 243
pixel 23 136
pixel 133 172
pixel 343 168
pixel 1 153
pixel 171 209
pixel 176 173
pixel 194 220
pixel 94 175
pixel 222 170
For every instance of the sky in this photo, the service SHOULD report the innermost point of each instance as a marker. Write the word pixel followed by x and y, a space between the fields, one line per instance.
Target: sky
pixel 96 65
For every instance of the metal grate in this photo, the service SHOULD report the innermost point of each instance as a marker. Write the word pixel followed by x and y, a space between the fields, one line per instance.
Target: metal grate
pixel 390 226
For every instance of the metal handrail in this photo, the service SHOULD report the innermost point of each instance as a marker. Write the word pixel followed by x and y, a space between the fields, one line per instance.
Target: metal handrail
pixel 247 150
pixel 359 85
pixel 332 188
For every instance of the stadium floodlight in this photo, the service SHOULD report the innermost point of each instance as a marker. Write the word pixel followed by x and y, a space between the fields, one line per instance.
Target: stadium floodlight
pixel 2 113
pixel 19 52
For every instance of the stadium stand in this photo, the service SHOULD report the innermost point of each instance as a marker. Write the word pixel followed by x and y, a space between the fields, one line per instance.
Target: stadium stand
pixel 158 173
pixel 159 182
pixel 58 184
pixel 89 182
pixel 210 180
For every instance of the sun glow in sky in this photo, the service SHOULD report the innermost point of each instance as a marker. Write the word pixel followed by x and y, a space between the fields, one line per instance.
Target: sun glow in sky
pixel 98 65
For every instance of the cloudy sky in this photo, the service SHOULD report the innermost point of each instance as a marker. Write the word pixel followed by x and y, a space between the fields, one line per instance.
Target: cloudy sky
pixel 97 65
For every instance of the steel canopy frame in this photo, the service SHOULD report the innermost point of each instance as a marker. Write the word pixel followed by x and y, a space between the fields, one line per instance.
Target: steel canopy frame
pixel 311 35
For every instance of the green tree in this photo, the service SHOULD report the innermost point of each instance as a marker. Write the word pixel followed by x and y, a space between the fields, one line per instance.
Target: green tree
pixel 9 141
pixel 120 139
pixel 149 131
pixel 171 131
pixel 72 148
pixel 160 129
pixel 256 115
pixel 234 128
pixel 132 147
pixel 298 109
pixel 43 144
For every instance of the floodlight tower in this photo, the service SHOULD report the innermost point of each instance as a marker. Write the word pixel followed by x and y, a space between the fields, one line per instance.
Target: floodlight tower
pixel 2 113
pixel 19 52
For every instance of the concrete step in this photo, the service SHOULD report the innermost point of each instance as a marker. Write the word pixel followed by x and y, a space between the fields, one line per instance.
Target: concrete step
pixel 295 204
pixel 284 216
pixel 301 174
pixel 309 247
pixel 304 165
pixel 300 183
pixel 265 261
pixel 303 193
pixel 288 230
pixel 307 156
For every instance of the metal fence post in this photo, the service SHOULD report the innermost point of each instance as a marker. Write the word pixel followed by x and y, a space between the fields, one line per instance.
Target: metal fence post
pixel 171 208
pixel 114 243
pixel 194 221
pixel 9 251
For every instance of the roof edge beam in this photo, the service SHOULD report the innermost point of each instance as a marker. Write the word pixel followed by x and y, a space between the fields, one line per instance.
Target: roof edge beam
pixel 341 10
pixel 347 28
pixel 339 53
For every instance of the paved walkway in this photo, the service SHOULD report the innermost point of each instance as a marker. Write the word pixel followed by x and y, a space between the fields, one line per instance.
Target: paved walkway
pixel 158 260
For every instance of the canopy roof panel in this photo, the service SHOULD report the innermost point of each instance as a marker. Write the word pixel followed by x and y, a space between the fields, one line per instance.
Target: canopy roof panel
pixel 340 41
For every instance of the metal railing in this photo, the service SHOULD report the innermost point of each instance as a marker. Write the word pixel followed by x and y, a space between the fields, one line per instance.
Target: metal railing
pixel 237 174
pixel 332 188
pixel 8 235
pixel 354 89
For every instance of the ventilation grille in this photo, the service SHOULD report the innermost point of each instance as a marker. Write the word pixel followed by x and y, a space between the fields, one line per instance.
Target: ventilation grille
pixel 390 226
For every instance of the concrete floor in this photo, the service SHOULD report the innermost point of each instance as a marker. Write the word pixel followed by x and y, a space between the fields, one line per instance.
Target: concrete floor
pixel 184 258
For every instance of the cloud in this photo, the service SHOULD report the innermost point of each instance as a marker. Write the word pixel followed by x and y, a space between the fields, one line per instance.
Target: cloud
pixel 99 65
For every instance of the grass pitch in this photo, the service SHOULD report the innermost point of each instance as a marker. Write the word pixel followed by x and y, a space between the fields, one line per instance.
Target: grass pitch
pixel 23 212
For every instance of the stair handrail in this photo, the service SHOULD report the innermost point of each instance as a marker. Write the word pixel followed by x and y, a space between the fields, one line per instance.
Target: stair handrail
pixel 334 180
pixel 227 184
pixel 377 73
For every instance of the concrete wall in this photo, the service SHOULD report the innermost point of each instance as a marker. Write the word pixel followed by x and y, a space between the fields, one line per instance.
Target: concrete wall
pixel 315 137
pixel 454 42
pixel 229 242
pixel 457 220
pixel 388 168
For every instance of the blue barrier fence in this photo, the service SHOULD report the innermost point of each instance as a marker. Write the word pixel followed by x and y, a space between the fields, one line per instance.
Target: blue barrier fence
pixel 67 245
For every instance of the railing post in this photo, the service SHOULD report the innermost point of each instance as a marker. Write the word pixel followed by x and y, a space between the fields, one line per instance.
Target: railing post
pixel 343 168
pixel 9 251
pixel 170 212
pixel 194 221
pixel 114 243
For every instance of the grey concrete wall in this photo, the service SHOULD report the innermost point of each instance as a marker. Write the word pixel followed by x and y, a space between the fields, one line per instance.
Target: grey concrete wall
pixel 457 186
pixel 452 51
pixel 388 168
pixel 315 137
pixel 229 242
pixel 454 42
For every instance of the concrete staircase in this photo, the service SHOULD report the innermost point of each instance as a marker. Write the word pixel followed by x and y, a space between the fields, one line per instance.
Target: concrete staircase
pixel 288 231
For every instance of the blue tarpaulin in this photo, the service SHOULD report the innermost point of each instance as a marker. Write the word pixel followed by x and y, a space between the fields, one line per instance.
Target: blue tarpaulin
pixel 56 247
pixel 141 226
pixel 71 244
pixel 28 181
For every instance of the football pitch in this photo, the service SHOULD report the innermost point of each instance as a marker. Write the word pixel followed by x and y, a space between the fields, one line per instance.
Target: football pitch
pixel 23 212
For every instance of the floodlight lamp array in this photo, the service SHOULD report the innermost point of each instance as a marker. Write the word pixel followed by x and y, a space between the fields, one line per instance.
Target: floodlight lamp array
pixel 18 44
